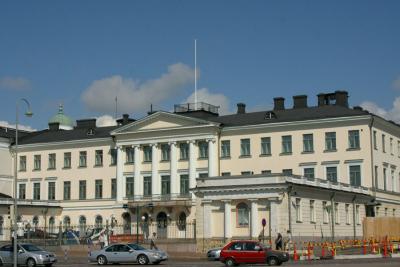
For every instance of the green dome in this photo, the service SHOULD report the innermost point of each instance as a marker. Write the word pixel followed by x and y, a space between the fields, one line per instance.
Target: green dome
pixel 64 121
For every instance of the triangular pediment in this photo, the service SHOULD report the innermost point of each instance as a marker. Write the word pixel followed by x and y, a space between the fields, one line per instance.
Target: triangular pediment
pixel 163 121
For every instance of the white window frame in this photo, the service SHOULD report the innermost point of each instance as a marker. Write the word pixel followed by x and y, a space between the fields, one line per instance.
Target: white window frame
pixel 325 212
pixel 337 214
pixel 330 166
pixel 347 211
pixel 312 211
pixel 299 217
pixel 358 217
pixel 361 171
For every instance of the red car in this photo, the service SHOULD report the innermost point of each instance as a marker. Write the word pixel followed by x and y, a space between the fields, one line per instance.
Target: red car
pixel 249 251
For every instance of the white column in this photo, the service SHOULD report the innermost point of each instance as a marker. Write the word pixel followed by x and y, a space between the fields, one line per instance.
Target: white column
pixel 207 223
pixel 155 181
pixel 120 174
pixel 274 218
pixel 138 178
pixel 254 219
pixel 192 165
pixel 174 169
pixel 211 158
pixel 227 219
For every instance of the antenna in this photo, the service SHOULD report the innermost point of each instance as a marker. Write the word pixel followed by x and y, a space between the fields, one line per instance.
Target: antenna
pixel 195 74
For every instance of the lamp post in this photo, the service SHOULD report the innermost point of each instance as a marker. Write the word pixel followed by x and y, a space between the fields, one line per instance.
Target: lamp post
pixel 28 113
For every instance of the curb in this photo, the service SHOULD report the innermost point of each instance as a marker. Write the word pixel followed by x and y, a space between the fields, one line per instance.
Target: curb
pixel 353 257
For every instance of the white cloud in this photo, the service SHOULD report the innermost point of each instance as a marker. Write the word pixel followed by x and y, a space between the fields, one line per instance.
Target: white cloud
pixel 105 120
pixel 14 83
pixel 20 126
pixel 204 95
pixel 392 114
pixel 134 96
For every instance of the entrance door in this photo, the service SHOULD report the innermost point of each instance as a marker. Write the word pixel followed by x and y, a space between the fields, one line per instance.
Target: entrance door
pixel 162 223
pixel 127 223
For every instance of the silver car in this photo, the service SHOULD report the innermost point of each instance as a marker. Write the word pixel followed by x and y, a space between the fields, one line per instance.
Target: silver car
pixel 28 254
pixel 124 253
pixel 213 254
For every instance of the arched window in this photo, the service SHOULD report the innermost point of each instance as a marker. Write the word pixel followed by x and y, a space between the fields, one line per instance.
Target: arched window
pixel 242 215
pixel 182 221
pixel 67 222
pixel 1 225
pixel 52 224
pixel 35 222
pixel 98 221
pixel 126 218
pixel 19 218
pixel 82 225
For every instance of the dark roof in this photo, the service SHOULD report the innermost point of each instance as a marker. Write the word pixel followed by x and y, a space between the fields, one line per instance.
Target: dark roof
pixel 10 132
pixel 47 136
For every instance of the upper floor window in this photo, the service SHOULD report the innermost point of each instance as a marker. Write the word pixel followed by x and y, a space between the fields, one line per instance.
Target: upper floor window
pixel 242 215
pixel 51 192
pixel 225 149
pixel 37 162
pixel 52 161
pixel 266 146
pixel 376 177
pixel 184 151
pixel 286 144
pixel 165 152
pixel 391 145
pixel 82 189
pixel 67 190
pixel 36 191
pixel 165 185
pixel 383 143
pixel 82 158
pixel 22 163
pixel 354 139
pixel 98 158
pixel 331 174
pixel 375 142
pixel 203 150
pixel 308 143
pixel 287 172
pixel 113 188
pixel 355 175
pixel 98 190
pixel 184 184
pixel 147 186
pixel 22 191
pixel 147 154
pixel 384 179
pixel 113 153
pixel 309 173
pixel 130 187
pixel 67 160
pixel 130 154
pixel 330 141
pixel 245 147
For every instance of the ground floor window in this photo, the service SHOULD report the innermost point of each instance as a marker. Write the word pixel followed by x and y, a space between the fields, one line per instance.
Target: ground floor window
pixel 242 215
pixel 52 224
pixel 67 222
pixel 1 225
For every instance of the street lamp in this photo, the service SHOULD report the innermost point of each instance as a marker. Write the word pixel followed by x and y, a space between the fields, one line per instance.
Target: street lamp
pixel 28 113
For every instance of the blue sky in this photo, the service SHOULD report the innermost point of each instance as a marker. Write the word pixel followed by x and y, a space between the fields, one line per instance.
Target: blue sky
pixel 83 53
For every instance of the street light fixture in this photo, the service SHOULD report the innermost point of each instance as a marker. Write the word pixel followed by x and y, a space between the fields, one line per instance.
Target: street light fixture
pixel 28 113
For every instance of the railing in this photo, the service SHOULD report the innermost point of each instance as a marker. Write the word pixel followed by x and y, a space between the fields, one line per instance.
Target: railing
pixel 178 108
pixel 160 197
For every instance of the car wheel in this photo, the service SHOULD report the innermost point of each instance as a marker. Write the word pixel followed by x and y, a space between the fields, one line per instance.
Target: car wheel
pixel 273 261
pixel 101 260
pixel 229 262
pixel 31 262
pixel 142 259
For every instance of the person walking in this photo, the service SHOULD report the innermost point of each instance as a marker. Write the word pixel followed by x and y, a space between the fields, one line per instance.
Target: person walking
pixel 101 240
pixel 278 242
pixel 153 241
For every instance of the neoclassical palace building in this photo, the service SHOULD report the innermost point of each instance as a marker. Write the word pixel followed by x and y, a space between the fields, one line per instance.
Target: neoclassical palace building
pixel 307 171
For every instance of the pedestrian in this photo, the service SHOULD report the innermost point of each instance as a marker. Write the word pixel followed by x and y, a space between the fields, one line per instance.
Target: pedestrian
pixel 153 242
pixel 278 242
pixel 101 240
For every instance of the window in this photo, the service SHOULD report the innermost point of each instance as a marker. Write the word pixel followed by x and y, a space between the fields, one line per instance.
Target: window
pixel 36 162
pixel 98 158
pixel 98 221
pixel 245 147
pixel 113 153
pixel 355 175
pixel 147 154
pixel 22 191
pixel 331 174
pixel 309 173
pixel 386 212
pixel 98 186
pixel 147 186
pixel 67 160
pixel 22 163
pixel 394 212
pixel 82 189
pixel 203 150
pixel 35 221
pixel 393 185
pixel 246 173
pixel 67 222
pixel 130 187
pixel 358 214
pixel 347 211
pixel 82 158
pixel 286 144
pixel 266 146
pixel 82 225
pixel 52 190
pixel 203 175
pixel 184 184
pixel 225 174
pixel 325 212
pixel 383 144
pixel 184 151
pixel 242 215
pixel 337 221
pixel 308 143
pixel 165 152
pixel 375 143
pixel 1 227
pixel 165 185
pixel 52 161
pixel 113 188
pixel 298 209
pixel 330 141
pixel 36 191
pixel 376 177
pixel 52 225
pixel 376 211
pixel 384 179
pixel 130 154
pixel 266 172
pixel 225 149
pixel 391 146
pixel 354 139
pixel 287 172
pixel 312 211
pixel 67 190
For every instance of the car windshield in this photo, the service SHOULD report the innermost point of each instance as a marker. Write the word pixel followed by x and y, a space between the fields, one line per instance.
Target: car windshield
pixel 29 247
pixel 136 247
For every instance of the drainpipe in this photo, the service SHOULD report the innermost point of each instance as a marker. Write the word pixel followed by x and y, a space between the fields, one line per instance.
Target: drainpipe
pixel 372 155
pixel 354 217
pixel 290 208
pixel 333 215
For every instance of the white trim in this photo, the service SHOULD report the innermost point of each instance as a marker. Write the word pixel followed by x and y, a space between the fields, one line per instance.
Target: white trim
pixel 165 139
pixel 337 172
pixel 63 143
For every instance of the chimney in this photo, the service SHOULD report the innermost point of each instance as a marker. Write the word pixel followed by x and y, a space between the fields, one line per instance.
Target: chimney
pixel 279 103
pixel 321 100
pixel 299 101
pixel 54 126
pixel 241 108
pixel 125 119
pixel 342 98
pixel 86 123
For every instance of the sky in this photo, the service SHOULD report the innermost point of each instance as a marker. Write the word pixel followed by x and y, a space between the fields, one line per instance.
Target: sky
pixel 84 54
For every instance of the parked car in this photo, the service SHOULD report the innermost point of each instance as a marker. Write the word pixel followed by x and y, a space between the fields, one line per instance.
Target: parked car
pixel 28 254
pixel 213 254
pixel 127 253
pixel 249 251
